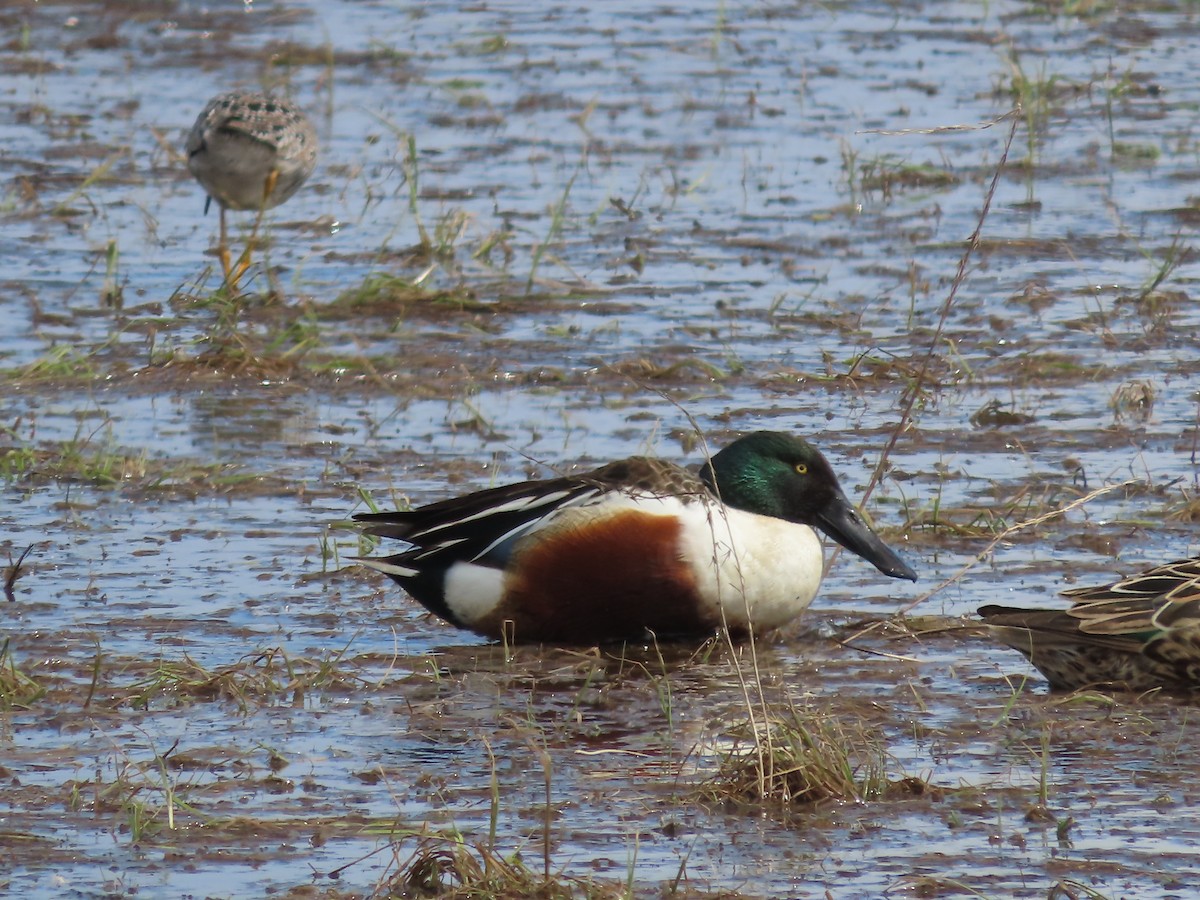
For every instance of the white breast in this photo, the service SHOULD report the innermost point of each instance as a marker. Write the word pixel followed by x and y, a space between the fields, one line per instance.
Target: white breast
pixel 761 572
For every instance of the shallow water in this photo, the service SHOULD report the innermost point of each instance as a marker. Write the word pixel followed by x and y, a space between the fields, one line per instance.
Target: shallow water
pixel 640 213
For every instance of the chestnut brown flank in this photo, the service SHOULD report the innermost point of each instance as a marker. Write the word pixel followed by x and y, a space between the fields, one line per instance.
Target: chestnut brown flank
pixel 608 578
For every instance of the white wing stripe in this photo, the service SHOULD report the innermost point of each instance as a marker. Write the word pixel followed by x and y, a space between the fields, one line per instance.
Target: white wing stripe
pixel 518 505
pixel 382 565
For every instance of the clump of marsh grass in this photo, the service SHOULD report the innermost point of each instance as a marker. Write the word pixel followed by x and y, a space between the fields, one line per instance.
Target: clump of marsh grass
pixel 250 682
pixel 17 690
pixel 886 174
pixel 385 294
pixel 800 757
pixel 454 869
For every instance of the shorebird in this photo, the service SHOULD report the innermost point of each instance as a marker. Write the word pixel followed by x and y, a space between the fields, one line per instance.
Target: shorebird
pixel 249 151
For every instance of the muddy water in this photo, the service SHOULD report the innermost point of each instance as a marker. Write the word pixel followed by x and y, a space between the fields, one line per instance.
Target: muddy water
pixel 635 213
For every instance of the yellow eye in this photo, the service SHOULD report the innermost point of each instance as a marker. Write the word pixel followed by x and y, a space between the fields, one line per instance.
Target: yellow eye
pixel 801 468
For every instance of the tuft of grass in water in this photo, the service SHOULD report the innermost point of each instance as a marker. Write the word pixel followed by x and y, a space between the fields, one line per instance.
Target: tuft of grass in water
pixel 497 240
pixel 85 458
pixel 17 462
pixel 937 886
pixel 447 231
pixel 1005 505
pixel 1125 153
pixel 1040 812
pixel 1163 268
pixel 288 55
pixel 802 757
pixel 64 362
pixel 412 176
pixel 112 294
pixel 65 209
pixel 17 690
pixel 553 232
pixel 384 294
pixel 440 247
pixel 148 793
pixel 1070 889
pixel 850 170
pixel 252 681
pixel 1129 153
pixel 1187 511
pixel 720 28
pixel 1033 93
pixel 888 174
pixel 453 869
pixel 247 335
pixel 95 459
pixel 649 370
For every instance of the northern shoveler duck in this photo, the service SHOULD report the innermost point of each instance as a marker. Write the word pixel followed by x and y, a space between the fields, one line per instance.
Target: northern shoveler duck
pixel 636 546
pixel 1135 634
pixel 250 151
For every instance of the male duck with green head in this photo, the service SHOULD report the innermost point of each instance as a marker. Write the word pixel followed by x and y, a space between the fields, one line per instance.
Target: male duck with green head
pixel 636 546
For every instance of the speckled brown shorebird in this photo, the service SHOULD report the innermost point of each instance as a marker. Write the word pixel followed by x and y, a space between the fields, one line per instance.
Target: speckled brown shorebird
pixel 250 151
pixel 1136 634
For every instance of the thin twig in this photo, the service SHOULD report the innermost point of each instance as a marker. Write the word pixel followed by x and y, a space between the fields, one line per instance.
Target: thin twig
pixel 914 390
pixel 909 398
pixel 946 129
